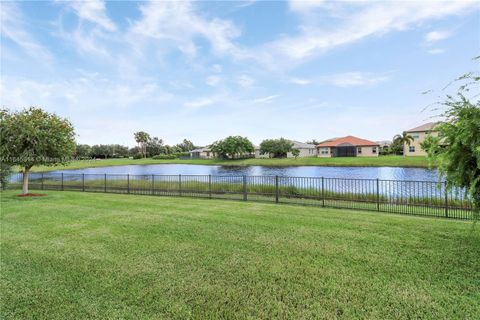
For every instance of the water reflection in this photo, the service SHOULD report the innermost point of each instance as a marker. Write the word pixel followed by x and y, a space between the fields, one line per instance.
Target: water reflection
pixel 384 173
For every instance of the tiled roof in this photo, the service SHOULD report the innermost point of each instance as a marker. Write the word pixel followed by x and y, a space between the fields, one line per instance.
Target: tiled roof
pixel 348 140
pixel 424 127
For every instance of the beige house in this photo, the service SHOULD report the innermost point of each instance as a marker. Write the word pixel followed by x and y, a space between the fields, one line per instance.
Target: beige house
pixel 202 153
pixel 348 146
pixel 419 134
pixel 306 150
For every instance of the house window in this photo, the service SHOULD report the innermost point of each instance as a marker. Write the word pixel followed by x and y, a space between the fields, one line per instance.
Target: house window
pixel 415 136
pixel 324 150
pixel 359 150
pixel 411 149
pixel 374 150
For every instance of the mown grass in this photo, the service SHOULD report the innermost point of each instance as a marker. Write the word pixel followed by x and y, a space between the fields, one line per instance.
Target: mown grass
pixel 381 161
pixel 83 255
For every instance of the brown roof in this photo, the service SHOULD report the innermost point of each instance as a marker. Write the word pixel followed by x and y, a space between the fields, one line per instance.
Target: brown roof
pixel 424 127
pixel 348 140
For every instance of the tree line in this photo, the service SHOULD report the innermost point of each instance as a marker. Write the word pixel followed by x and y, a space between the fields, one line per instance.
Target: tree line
pixel 147 146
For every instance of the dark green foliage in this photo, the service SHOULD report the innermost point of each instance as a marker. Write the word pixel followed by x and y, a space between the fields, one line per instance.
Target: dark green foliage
pixel 295 153
pixel 457 147
pixel 33 137
pixel 5 172
pixel 278 148
pixel 233 147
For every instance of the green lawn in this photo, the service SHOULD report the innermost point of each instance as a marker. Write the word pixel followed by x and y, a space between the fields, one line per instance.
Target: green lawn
pixel 382 161
pixel 84 255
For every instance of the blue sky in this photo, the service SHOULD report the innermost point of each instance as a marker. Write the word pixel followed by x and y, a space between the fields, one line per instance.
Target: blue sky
pixel 204 70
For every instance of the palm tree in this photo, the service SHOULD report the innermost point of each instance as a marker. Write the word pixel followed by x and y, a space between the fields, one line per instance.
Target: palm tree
pixel 404 139
pixel 142 138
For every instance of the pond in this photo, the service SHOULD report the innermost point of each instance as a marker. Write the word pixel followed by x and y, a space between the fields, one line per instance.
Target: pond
pixel 383 173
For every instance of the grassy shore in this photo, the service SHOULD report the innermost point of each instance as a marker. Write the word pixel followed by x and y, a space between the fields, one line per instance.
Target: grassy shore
pixel 382 161
pixel 81 255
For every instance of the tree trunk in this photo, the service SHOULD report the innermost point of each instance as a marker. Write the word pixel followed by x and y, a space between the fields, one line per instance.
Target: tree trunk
pixel 25 181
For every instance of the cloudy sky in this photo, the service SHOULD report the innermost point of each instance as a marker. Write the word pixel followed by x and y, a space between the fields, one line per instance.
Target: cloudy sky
pixel 203 70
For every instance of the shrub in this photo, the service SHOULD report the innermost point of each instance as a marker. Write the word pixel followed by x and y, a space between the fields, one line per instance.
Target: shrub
pixel 164 157
pixel 138 156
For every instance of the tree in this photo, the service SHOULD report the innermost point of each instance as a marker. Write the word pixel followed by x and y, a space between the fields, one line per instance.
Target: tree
pixel 154 146
pixel 396 147
pixel 141 137
pixel 35 137
pixel 403 139
pixel 456 150
pixel 278 148
pixel 295 153
pixel 83 151
pixel 186 145
pixel 5 172
pixel 233 147
pixel 313 141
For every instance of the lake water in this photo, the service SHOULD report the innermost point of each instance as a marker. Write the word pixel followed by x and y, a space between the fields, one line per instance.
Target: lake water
pixel 383 173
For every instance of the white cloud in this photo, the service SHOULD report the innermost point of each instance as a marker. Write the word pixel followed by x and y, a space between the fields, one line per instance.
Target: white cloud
pixel 245 81
pixel 268 99
pixel 93 11
pixel 348 22
pixel 198 103
pixel 14 27
pixel 436 51
pixel 435 36
pixel 213 80
pixel 350 79
pixel 217 68
pixel 300 81
pixel 179 23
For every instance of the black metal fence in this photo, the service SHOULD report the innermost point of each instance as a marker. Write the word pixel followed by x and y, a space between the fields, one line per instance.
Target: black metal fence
pixel 424 198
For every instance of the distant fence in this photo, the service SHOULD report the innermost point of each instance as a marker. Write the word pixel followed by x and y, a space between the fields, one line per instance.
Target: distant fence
pixel 423 198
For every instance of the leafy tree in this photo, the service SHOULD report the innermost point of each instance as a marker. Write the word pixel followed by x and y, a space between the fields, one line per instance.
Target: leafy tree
pixel 154 146
pixel 403 139
pixel 5 172
pixel 83 151
pixel 141 137
pixel 35 137
pixel 456 150
pixel 233 147
pixel 277 148
pixel 185 146
pixel 396 147
pixel 295 153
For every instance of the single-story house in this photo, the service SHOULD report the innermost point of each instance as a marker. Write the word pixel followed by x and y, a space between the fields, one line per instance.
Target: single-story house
pixel 306 150
pixel 202 153
pixel 419 134
pixel 348 146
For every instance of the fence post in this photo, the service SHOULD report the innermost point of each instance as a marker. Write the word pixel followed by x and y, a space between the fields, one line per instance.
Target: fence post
pixel 244 188
pixel 323 193
pixel 105 183
pixel 62 182
pixel 42 181
pixel 153 184
pixel 128 183
pixel 277 192
pixel 446 199
pixel 180 185
pixel 378 194
pixel 210 186
pixel 83 182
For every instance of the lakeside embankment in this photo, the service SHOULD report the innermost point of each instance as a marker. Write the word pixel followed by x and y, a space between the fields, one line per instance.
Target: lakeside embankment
pixel 382 161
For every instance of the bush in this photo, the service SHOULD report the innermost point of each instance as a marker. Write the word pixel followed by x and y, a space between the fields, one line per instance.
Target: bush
pixel 164 156
pixel 138 156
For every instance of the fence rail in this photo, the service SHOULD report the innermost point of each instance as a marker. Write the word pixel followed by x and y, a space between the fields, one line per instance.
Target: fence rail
pixel 423 198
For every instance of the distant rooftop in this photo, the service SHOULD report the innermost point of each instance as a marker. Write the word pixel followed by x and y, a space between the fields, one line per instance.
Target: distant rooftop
pixel 424 127
pixel 348 140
